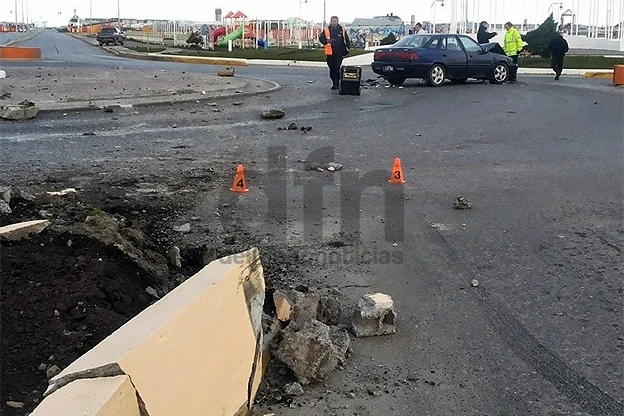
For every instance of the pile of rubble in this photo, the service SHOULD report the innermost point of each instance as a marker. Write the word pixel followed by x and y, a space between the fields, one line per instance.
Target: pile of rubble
pixel 308 335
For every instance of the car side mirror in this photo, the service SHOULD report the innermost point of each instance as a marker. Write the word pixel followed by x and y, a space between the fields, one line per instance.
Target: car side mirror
pixel 484 51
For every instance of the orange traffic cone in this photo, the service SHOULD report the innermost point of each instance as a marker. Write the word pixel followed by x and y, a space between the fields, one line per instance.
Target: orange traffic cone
pixel 240 183
pixel 397 172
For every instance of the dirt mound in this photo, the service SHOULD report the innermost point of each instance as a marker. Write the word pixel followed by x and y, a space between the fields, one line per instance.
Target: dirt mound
pixel 61 295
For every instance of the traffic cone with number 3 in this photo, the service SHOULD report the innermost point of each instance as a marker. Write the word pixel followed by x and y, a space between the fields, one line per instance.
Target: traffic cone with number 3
pixel 397 172
pixel 240 183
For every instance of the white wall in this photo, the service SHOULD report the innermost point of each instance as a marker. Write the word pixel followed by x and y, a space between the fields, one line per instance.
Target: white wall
pixel 583 42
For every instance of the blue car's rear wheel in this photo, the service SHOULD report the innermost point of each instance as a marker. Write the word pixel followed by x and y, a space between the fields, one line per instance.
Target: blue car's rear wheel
pixel 437 75
pixel 500 73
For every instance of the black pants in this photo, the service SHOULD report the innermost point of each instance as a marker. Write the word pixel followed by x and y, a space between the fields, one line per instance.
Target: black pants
pixel 334 62
pixel 513 72
pixel 556 64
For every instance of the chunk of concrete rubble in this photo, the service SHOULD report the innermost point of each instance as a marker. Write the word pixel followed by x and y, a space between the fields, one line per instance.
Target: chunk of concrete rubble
pixel 5 208
pixel 52 371
pixel 296 305
pixel 173 257
pixel 6 194
pixel 15 405
pixel 333 167
pixel 283 305
pixel 152 292
pixel 226 72
pixel 25 196
pixel 329 310
pixel 22 230
pixel 309 350
pixel 62 192
pixel 25 110
pixel 3 74
pixel 272 114
pixel 293 389
pixel 375 315
pixel 184 228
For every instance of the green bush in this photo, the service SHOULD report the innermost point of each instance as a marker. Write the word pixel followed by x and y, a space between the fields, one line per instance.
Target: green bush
pixel 538 39
pixel 389 40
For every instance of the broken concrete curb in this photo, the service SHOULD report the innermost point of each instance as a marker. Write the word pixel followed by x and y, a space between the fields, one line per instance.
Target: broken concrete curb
pixel 22 230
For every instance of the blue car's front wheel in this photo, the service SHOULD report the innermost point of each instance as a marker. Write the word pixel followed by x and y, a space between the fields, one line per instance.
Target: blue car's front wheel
pixel 500 73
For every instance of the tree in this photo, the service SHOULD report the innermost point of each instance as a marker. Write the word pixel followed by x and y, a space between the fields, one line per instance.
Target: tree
pixel 195 39
pixel 538 39
pixel 389 40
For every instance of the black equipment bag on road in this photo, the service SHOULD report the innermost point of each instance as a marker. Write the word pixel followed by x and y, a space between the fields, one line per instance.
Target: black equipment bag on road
pixel 350 77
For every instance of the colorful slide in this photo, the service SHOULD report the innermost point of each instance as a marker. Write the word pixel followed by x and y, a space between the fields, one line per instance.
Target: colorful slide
pixel 237 34
pixel 220 31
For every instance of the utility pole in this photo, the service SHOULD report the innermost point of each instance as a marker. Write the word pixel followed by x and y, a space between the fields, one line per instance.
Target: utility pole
pixel 90 16
pixel 324 13
pixel 119 16
pixel 23 12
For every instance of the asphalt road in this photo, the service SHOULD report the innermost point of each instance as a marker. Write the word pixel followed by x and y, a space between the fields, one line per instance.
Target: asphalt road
pixel 542 334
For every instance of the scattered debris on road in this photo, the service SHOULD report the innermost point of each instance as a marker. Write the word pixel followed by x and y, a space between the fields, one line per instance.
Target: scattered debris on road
pixel 184 228
pixel 62 192
pixel 293 389
pixel 272 114
pixel 322 167
pixel 474 283
pixel 461 203
pixel 375 315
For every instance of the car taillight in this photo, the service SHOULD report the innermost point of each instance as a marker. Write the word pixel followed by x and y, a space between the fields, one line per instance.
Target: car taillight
pixel 412 56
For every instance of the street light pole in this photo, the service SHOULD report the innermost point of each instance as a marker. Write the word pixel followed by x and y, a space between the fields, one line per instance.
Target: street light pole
pixel 433 10
pixel 119 16
pixel 324 13
pixel 90 17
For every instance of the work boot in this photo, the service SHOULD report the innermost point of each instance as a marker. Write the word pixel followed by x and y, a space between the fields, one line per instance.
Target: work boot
pixel 557 77
pixel 335 86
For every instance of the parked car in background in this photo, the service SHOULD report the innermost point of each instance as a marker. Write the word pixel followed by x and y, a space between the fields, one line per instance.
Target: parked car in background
pixel 111 35
pixel 440 57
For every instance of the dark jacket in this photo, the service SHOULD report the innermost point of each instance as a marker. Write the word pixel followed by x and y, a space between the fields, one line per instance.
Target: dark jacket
pixel 340 44
pixel 558 46
pixel 483 36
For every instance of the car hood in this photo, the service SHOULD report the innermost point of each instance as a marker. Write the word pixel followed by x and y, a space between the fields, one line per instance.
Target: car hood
pixel 489 46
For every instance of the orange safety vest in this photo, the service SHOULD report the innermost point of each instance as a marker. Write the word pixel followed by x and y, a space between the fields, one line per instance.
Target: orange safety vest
pixel 329 51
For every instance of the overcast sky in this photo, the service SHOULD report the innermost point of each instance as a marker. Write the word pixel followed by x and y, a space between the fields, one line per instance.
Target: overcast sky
pixel 513 10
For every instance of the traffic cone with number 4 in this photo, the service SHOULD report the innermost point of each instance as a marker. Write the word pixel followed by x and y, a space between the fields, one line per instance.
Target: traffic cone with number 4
pixel 397 172
pixel 240 183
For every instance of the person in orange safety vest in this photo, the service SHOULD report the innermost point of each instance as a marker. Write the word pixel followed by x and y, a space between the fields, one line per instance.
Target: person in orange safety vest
pixel 336 42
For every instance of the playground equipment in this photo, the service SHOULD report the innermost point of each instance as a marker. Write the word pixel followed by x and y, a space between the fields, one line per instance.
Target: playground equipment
pixel 237 34
pixel 218 32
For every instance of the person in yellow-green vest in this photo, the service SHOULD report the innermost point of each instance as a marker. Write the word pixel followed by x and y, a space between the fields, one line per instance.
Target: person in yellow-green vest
pixel 513 45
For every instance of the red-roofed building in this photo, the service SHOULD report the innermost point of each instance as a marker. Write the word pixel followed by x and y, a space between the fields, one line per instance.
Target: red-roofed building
pixel 229 15
pixel 239 15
